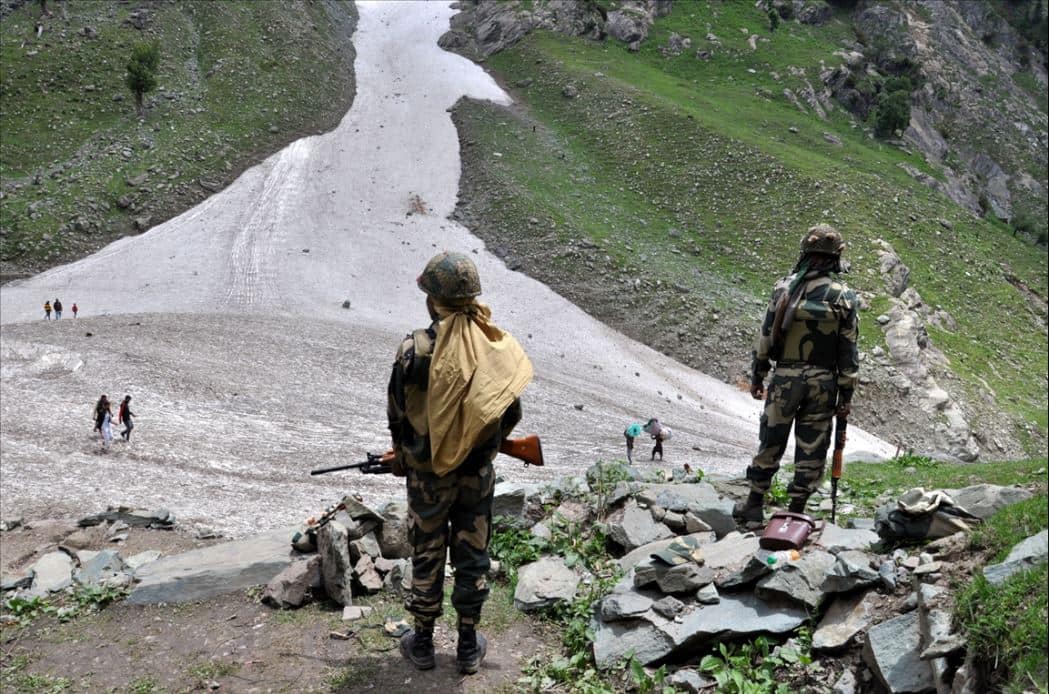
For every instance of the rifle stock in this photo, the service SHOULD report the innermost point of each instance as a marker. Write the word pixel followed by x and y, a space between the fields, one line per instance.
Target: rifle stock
pixel 527 448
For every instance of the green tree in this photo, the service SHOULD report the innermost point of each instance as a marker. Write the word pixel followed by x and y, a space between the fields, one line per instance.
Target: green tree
pixel 141 71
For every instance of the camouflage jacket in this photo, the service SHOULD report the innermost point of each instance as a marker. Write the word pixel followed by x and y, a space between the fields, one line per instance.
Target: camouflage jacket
pixel 824 332
pixel 406 407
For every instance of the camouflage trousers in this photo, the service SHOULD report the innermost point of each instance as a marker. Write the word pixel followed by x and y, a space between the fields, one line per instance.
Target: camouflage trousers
pixel 451 513
pixel 805 397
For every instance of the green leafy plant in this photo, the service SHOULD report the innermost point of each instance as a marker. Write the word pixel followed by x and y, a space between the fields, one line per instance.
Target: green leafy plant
pixel 750 668
pixel 97 597
pixel 25 610
pixel 515 547
pixel 915 461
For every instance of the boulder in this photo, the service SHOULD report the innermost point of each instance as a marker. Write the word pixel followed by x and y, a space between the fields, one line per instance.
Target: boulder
pixel 846 617
pixel 984 500
pixel 544 583
pixel 208 571
pixel 367 577
pixel 289 587
pixel 892 652
pixel 815 12
pixel 51 573
pixel 509 499
pixel 633 527
pixel 801 580
pixel 364 546
pixel 333 547
pixel 393 533
pixel 104 565
pixel 701 499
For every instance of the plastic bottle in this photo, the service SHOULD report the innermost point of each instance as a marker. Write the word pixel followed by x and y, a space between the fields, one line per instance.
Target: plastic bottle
pixel 781 557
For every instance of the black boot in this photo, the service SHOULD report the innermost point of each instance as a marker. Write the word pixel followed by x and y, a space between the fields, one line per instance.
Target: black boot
pixel 470 651
pixel 751 510
pixel 417 646
pixel 797 505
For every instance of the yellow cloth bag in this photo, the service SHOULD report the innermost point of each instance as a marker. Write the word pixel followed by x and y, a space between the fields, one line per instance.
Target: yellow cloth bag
pixel 476 372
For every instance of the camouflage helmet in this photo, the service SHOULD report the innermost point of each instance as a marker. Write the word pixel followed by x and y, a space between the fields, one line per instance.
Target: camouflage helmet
pixel 824 239
pixel 450 276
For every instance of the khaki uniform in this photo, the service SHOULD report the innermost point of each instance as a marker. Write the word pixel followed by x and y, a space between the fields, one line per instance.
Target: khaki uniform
pixel 446 513
pixel 817 363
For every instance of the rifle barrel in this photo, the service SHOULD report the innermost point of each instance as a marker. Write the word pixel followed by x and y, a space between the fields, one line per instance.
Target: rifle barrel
pixel 336 468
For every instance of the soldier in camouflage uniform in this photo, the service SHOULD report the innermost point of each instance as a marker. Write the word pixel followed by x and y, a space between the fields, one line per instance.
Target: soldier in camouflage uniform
pixel 450 511
pixel 810 331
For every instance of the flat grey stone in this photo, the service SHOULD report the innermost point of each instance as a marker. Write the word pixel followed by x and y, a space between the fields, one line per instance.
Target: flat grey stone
pixel 215 570
pixel 832 537
pixel 689 681
pixel 351 613
pixel 633 527
pixel 701 499
pixel 846 684
pixel 632 557
pixel 846 617
pixel 708 595
pixel 730 552
pixel 16 581
pixel 1026 554
pixel 892 652
pixel 543 583
pixel 683 578
pixel 653 637
pixel 619 606
pixel 800 580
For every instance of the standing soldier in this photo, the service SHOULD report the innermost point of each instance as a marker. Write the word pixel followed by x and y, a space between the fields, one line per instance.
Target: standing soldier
pixel 810 331
pixel 453 398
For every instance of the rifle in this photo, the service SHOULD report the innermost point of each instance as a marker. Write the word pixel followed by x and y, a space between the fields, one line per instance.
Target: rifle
pixel 840 424
pixel 527 448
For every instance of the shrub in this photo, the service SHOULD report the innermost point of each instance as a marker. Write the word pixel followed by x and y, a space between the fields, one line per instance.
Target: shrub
pixel 141 71
pixel 892 113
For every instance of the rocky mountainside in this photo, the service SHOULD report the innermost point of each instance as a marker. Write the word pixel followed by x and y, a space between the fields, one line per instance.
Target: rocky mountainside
pixel 236 82
pixel 667 208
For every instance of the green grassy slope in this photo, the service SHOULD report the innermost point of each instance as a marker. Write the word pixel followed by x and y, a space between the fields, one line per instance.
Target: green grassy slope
pixel 688 175
pixel 237 80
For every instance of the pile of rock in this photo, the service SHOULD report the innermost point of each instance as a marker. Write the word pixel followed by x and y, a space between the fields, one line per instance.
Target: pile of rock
pixel 69 564
pixel 691 580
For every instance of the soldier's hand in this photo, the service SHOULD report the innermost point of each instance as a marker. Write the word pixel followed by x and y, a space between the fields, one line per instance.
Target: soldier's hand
pixel 844 409
pixel 757 390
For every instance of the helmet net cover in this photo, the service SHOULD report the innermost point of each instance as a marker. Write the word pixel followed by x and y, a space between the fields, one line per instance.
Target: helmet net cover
pixel 824 239
pixel 450 276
